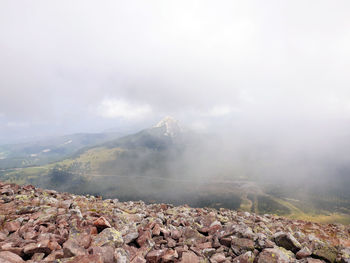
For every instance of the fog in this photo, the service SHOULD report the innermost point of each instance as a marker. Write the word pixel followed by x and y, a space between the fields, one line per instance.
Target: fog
pixel 268 83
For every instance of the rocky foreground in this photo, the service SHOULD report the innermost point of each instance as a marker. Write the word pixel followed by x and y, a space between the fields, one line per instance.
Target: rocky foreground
pixel 39 225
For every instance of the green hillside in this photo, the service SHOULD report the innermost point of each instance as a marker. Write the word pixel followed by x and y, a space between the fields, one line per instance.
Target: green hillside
pixel 154 167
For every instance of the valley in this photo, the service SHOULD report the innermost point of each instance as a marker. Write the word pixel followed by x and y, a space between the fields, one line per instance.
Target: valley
pixel 154 167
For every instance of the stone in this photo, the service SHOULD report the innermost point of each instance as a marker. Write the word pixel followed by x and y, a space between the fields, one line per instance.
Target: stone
pixel 130 237
pixel 327 253
pixel 241 245
pixel 85 259
pixel 189 257
pixel 303 253
pixel 38 256
pixel 106 252
pixel 101 223
pixel 58 254
pixel 313 260
pixel 247 257
pixel 276 255
pixel 9 257
pixel 218 258
pixel 139 259
pixel 44 246
pixel 121 256
pixel 287 241
pixel 108 237
pixel 154 256
pixel 12 226
pixel 72 248
pixel 169 256
pixel 143 238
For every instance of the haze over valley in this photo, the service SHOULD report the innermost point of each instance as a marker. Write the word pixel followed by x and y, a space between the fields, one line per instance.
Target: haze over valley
pixel 241 105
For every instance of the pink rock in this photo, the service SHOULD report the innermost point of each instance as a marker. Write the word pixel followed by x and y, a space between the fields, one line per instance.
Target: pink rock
pixel 189 257
pixel 43 246
pixel 9 257
pixel 71 248
pixel 101 223
pixel 86 259
pixel 154 256
pixel 143 237
pixel 247 257
pixel 169 256
pixel 218 258
pixel 12 226
pixel 55 255
pixel 106 252
pixel 156 230
pixel 138 259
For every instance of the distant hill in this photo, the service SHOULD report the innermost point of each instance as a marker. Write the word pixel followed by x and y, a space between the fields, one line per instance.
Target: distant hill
pixel 167 163
pixel 52 149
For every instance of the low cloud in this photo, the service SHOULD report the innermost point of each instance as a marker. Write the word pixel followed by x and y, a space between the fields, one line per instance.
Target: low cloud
pixel 118 108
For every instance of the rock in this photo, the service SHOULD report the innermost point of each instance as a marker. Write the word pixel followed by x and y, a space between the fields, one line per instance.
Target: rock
pixel 101 223
pixel 303 253
pixel 9 257
pixel 287 241
pixel 226 241
pixel 138 259
pixel 169 256
pixel 38 256
pixel 312 260
pixel 155 256
pixel 34 224
pixel 121 256
pixel 108 237
pixel 276 255
pixel 241 245
pixel 143 238
pixel 218 258
pixel 106 252
pixel 130 237
pixel 12 226
pixel 44 246
pixel 189 257
pixel 345 255
pixel 58 254
pixel 85 259
pixel 327 253
pixel 247 257
pixel 72 248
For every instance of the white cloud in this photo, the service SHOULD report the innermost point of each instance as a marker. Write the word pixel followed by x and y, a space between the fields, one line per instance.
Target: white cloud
pixel 220 110
pixel 14 124
pixel 117 108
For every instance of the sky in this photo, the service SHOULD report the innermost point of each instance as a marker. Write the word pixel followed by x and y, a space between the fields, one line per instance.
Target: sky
pixel 92 66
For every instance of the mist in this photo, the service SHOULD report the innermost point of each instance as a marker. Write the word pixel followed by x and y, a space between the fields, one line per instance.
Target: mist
pixel 262 89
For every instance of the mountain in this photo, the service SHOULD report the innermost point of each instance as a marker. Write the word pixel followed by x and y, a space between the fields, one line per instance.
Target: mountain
pixel 47 150
pixel 40 225
pixel 167 163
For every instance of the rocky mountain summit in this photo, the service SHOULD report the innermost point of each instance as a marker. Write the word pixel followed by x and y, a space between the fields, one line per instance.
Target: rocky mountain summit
pixel 39 225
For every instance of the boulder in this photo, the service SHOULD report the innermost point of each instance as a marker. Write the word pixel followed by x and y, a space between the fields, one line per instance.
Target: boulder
pixel 72 248
pixel 276 255
pixel 326 252
pixel 247 257
pixel 287 241
pixel 9 257
pixel 101 223
pixel 189 257
pixel 108 237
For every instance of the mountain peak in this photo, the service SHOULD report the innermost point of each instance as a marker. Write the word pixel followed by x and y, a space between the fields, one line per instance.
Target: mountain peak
pixel 172 127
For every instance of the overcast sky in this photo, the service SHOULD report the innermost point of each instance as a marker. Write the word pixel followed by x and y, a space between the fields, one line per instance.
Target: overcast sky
pixel 88 66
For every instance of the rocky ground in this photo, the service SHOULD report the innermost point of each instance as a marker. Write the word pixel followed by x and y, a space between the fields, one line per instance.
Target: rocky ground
pixel 39 225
